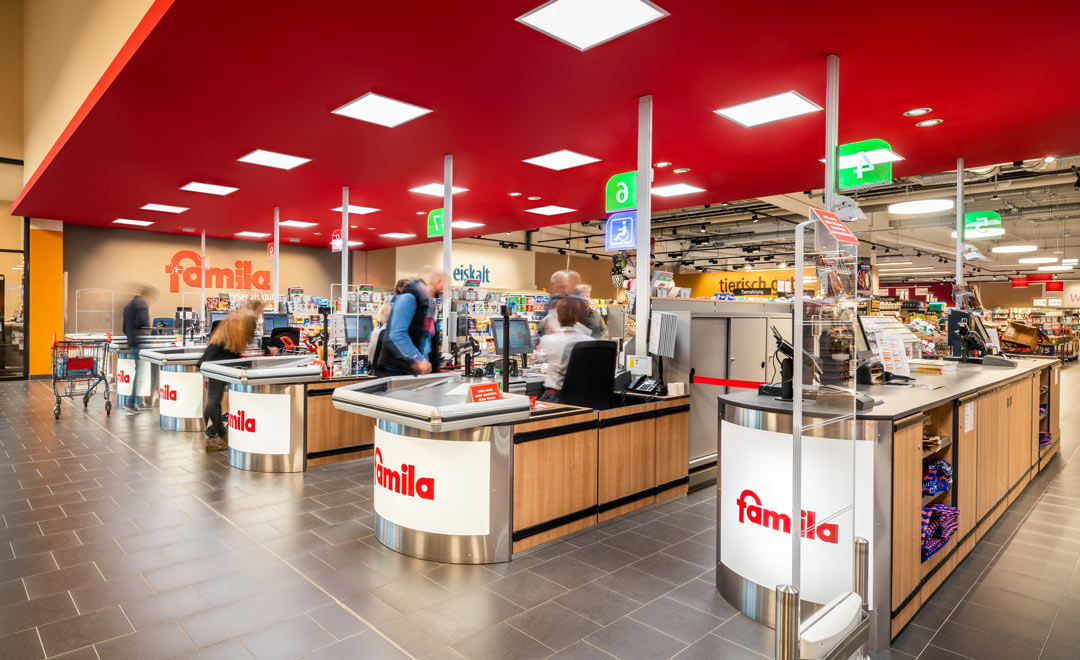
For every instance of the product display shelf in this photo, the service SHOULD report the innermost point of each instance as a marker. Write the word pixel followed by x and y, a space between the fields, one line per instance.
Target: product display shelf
pixel 939 421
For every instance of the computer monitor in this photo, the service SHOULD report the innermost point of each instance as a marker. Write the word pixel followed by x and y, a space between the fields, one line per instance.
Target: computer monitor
pixel 217 315
pixel 273 321
pixel 358 328
pixel 862 344
pixel 520 337
pixel 462 328
pixel 977 325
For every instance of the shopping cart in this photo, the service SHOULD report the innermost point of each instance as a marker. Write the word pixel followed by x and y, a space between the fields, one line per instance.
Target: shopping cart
pixel 78 367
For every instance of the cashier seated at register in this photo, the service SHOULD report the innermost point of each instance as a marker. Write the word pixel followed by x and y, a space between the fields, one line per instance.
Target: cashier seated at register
pixel 407 346
pixel 557 344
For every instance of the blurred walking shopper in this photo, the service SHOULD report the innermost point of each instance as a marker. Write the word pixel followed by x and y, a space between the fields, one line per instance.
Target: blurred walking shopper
pixel 136 328
pixel 407 346
pixel 228 341
pixel 556 345
pixel 594 320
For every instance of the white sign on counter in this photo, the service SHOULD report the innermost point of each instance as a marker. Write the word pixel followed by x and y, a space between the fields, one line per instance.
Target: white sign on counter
pixel 259 423
pixel 436 486
pixel 891 351
pixel 755 508
pixel 969 417
pixel 125 376
pixel 180 394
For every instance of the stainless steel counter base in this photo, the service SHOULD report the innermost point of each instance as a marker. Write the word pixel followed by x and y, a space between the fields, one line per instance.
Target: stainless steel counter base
pixel 181 424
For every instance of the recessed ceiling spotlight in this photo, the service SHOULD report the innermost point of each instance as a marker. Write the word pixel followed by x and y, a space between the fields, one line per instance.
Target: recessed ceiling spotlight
pixel 1049 159
pixel 293 239
pixel 318 233
pixel 587 23
pixel 1038 260
pixel 421 213
pixel 252 234
pixel 534 198
pixel 514 194
pixel 676 189
pixel 354 227
pixel 435 189
pixel 917 206
pixel 681 170
pixel 465 224
pixel 1011 249
pixel 928 122
pixel 563 159
pixel 164 208
pixel 208 188
pixel 772 108
pixel 397 234
pixel 550 209
pixel 300 224
pixel 356 210
pixel 273 159
pixel 187 229
pixel 384 111
pixel 916 112
pixel 662 163
pixel 133 223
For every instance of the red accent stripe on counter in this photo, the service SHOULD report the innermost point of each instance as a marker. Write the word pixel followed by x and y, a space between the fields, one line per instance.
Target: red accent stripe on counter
pixel 727 382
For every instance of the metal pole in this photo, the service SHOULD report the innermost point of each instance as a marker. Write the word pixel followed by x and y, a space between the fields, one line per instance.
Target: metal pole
pixel 787 622
pixel 344 249
pixel 447 247
pixel 644 223
pixel 277 263
pixel 796 407
pixel 861 577
pixel 959 224
pixel 832 107
pixel 202 278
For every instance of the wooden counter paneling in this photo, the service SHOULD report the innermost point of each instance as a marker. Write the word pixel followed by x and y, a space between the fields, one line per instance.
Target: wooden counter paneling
pixel 907 500
pixel 329 428
pixel 627 458
pixel 672 447
pixel 991 472
pixel 965 466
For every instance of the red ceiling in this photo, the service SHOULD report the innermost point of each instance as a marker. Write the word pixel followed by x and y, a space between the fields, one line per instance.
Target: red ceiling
pixel 202 82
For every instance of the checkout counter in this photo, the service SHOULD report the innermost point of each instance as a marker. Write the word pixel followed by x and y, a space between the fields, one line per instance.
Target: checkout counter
pixel 127 366
pixel 986 421
pixel 179 384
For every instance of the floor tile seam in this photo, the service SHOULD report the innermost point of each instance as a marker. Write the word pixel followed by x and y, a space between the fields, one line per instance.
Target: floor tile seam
pixel 513 627
pixel 976 631
pixel 957 653
pixel 730 641
pixel 256 541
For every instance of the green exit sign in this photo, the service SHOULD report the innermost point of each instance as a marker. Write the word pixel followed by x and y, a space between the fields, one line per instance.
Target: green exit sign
pixel 865 163
pixel 621 192
pixel 435 223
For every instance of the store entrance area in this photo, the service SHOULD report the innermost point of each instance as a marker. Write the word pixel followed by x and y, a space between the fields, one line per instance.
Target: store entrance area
pixel 126 541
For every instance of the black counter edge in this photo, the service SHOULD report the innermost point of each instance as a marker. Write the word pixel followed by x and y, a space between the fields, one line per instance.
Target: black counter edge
pixel 337 451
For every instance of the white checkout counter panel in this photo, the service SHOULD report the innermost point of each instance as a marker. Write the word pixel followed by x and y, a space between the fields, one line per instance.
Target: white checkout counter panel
pixel 179 384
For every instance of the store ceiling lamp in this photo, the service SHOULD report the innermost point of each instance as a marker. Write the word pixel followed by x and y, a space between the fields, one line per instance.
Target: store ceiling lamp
pixel 917 206
pixel 1070 262
pixel 587 23
pixel 1054 269
pixel 208 188
pixel 299 224
pixel 1039 277
pixel 885 264
pixel 563 159
pixel 382 110
pixel 435 189
pixel 550 209
pixel 397 234
pixel 1054 286
pixel 772 108
pixel 1038 260
pixel 663 163
pixel 133 223
pixel 163 208
pixel 466 224
pixel 273 159
pixel 917 112
pixel 252 234
pixel 357 210
pixel 928 122
pixel 1012 249
pixel 676 189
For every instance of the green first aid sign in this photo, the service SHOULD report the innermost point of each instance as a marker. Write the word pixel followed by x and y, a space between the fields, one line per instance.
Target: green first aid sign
pixel 621 192
pixel 865 163
pixel 982 224
pixel 435 223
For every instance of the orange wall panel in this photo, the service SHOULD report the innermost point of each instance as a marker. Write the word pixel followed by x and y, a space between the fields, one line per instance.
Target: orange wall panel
pixel 46 296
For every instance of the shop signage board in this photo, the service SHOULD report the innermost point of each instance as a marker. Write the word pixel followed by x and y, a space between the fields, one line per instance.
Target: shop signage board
pixel 484 392
pixel 982 224
pixel 269 251
pixel 259 423
pixel 922 291
pixel 620 194
pixel 433 485
pixel 125 377
pixel 1038 302
pixel 435 223
pixel 835 226
pixel 755 508
pixel 1055 302
pixel 620 231
pixel 180 394
pixel 753 291
pixel 890 347
pixel 865 163
pixel 335 240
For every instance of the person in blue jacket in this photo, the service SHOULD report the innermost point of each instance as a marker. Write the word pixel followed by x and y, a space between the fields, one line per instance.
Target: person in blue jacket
pixel 408 346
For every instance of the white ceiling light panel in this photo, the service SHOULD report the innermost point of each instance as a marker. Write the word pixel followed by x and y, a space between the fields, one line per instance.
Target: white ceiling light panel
pixel 397 234
pixel 563 159
pixel 208 188
pixel 299 224
pixel 356 210
pixel 435 189
pixel 133 223
pixel 252 234
pixel 769 109
pixel 273 159
pixel 550 209
pixel 584 24
pixel 382 110
pixel 676 189
pixel 917 206
pixel 1038 260
pixel 163 208
pixel 1011 249
pixel 466 224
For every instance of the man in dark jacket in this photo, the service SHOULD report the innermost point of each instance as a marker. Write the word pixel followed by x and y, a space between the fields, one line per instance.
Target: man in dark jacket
pixel 136 327
pixel 407 344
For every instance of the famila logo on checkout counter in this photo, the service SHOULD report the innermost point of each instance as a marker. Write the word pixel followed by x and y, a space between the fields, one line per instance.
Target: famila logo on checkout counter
pixel 123 376
pixel 403 482
pixel 241 422
pixel 756 514
pixel 166 393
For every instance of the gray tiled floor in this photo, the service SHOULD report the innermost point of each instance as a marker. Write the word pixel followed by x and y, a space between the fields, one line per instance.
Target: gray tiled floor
pixel 122 541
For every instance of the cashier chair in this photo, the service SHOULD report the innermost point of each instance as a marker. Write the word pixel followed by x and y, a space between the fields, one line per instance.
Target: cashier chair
pixel 590 375
pixel 293 334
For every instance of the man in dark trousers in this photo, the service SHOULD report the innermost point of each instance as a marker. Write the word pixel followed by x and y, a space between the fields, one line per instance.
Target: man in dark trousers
pixel 136 328
pixel 407 346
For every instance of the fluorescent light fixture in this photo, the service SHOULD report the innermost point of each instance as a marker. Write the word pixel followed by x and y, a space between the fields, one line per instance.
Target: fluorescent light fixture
pixel 1070 262
pixel 1038 260
pixel 928 122
pixel 435 189
pixel 164 208
pixel 465 224
pixel 397 234
pixel 894 263
pixel 563 159
pixel 916 112
pixel 134 223
pixel 358 210
pixel 981 233
pixel 355 243
pixel 587 23
pixel 906 269
pixel 1054 268
pixel 917 206
pixel 1010 249
pixel 273 159
pixel 297 223
pixel 252 234
pixel 676 189
pixel 772 108
pixel 208 188
pixel 382 110
pixel 550 209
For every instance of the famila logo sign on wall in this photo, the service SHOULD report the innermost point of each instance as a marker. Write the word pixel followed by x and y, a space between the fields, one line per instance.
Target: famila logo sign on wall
pixel 240 276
